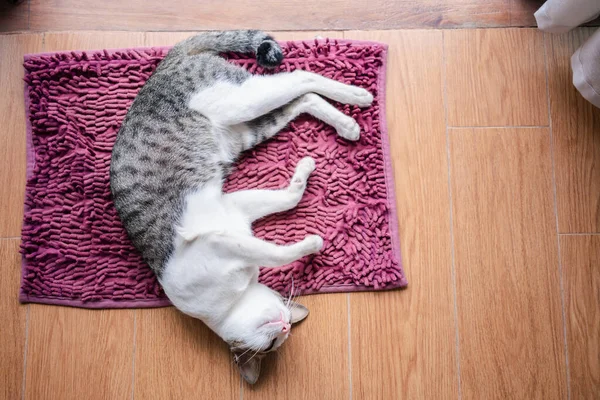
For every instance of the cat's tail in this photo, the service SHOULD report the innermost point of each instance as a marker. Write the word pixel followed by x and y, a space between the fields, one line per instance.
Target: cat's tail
pixel 268 53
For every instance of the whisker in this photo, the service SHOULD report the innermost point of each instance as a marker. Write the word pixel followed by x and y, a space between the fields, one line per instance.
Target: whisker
pixel 291 295
pixel 294 303
pixel 250 348
pixel 247 350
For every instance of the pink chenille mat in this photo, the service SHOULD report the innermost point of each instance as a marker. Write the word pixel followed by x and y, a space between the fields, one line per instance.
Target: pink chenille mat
pixel 75 250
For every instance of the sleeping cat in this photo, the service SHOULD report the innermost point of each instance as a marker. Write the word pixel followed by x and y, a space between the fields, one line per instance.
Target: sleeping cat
pixel 184 130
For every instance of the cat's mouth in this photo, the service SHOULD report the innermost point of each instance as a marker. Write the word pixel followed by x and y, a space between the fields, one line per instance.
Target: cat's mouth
pixel 285 325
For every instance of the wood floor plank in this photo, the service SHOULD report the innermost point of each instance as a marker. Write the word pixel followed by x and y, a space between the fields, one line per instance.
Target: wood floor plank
pixel 580 257
pixel 575 127
pixel 313 363
pixel 508 289
pixel 12 134
pixel 12 320
pixel 240 14
pixel 74 353
pixel 60 41
pixel 178 357
pixel 14 17
pixel 403 342
pixel 496 77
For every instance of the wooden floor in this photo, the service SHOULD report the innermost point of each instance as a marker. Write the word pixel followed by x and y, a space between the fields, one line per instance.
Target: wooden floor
pixel 158 15
pixel 496 162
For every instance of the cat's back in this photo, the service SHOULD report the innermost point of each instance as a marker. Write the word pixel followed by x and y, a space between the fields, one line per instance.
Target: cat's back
pixel 165 150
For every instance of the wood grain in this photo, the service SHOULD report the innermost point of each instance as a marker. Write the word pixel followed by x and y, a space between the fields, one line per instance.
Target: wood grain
pixel 403 342
pixel 159 39
pixel 313 363
pixel 580 258
pixel 12 320
pixel 575 127
pixel 178 357
pixel 495 77
pixel 337 15
pixel 508 290
pixel 268 15
pixel 12 134
pixel 521 12
pixel 306 35
pixel 14 18
pixel 74 353
pixel 92 40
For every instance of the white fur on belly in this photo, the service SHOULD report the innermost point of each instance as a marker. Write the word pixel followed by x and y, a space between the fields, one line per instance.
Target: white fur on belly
pixel 200 279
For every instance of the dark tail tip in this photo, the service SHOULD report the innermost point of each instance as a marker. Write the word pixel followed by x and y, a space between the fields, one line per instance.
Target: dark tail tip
pixel 269 54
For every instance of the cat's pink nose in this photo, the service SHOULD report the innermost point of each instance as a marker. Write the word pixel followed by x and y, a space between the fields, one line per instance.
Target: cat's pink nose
pixel 286 328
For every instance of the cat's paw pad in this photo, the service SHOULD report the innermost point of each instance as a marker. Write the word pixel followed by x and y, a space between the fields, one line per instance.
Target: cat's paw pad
pixel 269 54
pixel 349 129
pixel 314 243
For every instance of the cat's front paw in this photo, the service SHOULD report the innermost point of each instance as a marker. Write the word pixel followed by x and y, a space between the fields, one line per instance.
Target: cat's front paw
pixel 348 128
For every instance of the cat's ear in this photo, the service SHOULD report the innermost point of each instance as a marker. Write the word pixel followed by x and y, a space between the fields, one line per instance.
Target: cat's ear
pixel 248 364
pixel 299 312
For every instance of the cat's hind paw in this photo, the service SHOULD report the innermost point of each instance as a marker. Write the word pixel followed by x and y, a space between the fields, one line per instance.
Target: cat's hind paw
pixel 314 243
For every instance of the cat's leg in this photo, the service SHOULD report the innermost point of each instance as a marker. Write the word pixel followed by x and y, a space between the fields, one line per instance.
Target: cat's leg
pixel 229 104
pixel 268 125
pixel 257 252
pixel 259 203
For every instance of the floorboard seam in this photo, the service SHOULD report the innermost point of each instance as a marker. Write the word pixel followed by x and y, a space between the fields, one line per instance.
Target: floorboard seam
pixel 453 267
pixel 24 380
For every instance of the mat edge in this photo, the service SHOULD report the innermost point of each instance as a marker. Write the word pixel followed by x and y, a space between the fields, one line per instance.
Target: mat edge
pixel 389 168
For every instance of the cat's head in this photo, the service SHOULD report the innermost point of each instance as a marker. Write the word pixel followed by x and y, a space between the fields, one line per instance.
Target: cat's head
pixel 259 324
